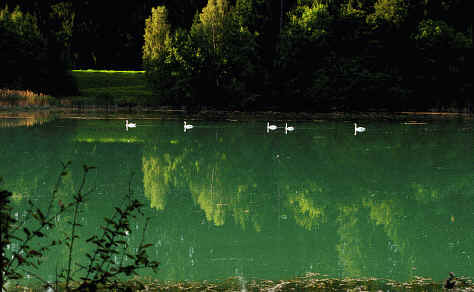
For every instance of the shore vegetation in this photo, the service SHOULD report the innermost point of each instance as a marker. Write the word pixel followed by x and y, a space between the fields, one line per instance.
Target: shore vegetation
pixel 24 98
pixel 247 55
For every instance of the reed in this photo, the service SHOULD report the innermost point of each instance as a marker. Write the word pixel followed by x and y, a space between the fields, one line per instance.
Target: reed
pixel 12 97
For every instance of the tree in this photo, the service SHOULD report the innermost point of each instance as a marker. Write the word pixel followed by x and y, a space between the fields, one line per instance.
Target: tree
pixel 210 28
pixel 155 50
pixel 390 13
pixel 304 45
pixel 22 50
pixel 224 49
pixel 157 34
pixel 438 34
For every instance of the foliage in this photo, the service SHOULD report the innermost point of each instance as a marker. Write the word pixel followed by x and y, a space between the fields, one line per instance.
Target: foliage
pixel 207 35
pixel 30 59
pixel 390 12
pixel 438 34
pixel 103 267
pixel 209 65
pixel 62 22
pixel 22 50
pixel 157 35
pixel 27 252
pixel 158 58
pixel 23 249
pixel 245 52
pixel 326 55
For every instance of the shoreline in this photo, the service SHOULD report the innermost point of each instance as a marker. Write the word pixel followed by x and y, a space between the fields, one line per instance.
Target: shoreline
pixel 309 282
pixel 137 112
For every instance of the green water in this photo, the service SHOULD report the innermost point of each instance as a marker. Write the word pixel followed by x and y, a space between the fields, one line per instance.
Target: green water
pixel 229 199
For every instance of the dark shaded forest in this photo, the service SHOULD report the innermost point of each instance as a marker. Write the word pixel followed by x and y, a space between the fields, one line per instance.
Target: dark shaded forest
pixel 305 55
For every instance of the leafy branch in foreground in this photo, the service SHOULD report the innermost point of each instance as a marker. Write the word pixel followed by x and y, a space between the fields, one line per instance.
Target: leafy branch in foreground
pixel 111 257
pixel 79 198
pixel 112 244
pixel 19 249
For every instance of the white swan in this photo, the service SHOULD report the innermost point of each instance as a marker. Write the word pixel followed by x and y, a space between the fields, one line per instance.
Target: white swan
pixel 358 129
pixel 187 126
pixel 290 128
pixel 130 125
pixel 271 127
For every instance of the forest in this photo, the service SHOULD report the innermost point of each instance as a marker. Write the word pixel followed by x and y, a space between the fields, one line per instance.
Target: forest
pixel 287 55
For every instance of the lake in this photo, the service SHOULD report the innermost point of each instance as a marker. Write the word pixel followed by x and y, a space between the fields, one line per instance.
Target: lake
pixel 228 198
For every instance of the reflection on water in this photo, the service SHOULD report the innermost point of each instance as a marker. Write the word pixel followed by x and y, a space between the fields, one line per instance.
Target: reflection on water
pixel 230 199
pixel 9 120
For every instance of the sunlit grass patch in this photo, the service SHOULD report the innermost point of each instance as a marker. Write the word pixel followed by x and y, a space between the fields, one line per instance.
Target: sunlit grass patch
pixel 100 78
pixel 11 97
pixel 107 87
pixel 109 71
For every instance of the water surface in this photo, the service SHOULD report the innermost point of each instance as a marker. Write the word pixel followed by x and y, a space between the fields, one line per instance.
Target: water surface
pixel 231 199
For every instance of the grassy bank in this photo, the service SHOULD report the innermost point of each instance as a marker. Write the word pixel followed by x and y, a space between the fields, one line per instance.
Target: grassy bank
pixel 106 87
pixel 103 88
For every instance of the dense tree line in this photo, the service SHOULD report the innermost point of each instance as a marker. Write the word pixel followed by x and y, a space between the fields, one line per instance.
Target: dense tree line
pixel 32 56
pixel 100 37
pixel 324 55
pixel 287 54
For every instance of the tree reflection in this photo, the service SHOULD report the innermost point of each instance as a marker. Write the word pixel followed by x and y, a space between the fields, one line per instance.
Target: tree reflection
pixel 391 202
pixel 155 181
pixel 28 119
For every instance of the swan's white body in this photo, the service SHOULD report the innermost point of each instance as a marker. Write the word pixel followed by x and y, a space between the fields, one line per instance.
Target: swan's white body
pixel 290 128
pixel 130 125
pixel 358 129
pixel 271 127
pixel 187 126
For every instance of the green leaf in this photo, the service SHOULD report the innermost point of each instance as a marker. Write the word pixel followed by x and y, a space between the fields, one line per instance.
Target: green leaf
pixel 34 253
pixel 27 231
pixel 109 221
pixel 91 238
pixel 38 233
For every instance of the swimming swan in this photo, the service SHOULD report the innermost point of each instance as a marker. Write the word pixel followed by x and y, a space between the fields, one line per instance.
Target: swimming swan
pixel 288 128
pixel 358 129
pixel 130 125
pixel 187 127
pixel 271 127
